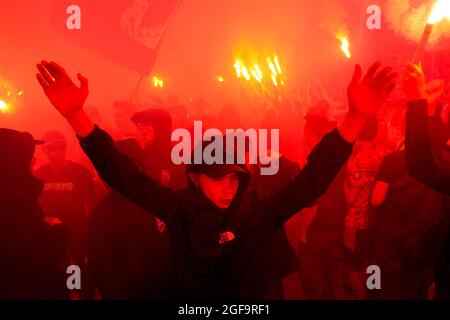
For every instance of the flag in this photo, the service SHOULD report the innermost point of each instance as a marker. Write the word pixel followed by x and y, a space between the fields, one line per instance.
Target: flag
pixel 128 32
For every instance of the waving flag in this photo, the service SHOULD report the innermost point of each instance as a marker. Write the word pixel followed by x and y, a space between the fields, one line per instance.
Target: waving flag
pixel 129 32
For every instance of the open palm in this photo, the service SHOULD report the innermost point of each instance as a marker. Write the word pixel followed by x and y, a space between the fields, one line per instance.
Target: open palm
pixel 65 96
pixel 367 95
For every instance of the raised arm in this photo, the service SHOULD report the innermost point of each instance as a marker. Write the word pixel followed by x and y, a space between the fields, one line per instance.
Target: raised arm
pixel 114 167
pixel 365 96
pixel 418 151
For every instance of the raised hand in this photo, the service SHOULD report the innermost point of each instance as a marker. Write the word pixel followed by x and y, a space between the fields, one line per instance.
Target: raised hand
pixel 415 87
pixel 367 95
pixel 413 82
pixel 65 96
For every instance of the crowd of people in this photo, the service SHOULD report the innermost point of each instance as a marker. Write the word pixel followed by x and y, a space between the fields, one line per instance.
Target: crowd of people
pixel 356 188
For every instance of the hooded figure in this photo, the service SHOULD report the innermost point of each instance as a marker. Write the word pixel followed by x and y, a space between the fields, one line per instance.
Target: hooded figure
pixel 154 127
pixel 28 264
pixel 218 229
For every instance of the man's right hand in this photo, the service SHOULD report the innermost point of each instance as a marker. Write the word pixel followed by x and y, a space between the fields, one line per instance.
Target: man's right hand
pixel 65 96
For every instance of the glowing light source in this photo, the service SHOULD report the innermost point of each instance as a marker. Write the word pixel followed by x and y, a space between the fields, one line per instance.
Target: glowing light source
pixel 220 79
pixel 245 73
pixel 257 73
pixel 345 45
pixel 4 107
pixel 440 11
pixel 237 67
pixel 157 82
pixel 274 80
pixel 20 93
pixel 271 66
pixel 277 64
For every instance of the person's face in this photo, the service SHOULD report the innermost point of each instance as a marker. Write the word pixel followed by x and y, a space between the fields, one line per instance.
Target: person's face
pixel 220 191
pixel 146 133
pixel 56 151
pixel 123 122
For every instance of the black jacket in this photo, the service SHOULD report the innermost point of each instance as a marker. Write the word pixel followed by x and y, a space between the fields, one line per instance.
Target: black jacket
pixel 422 165
pixel 432 171
pixel 205 267
pixel 29 255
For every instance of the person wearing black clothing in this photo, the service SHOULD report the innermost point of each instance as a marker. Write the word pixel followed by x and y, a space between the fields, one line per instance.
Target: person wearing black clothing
pixel 424 162
pixel 31 250
pixel 68 193
pixel 428 163
pixel 321 270
pixel 278 247
pixel 216 228
pixel 409 223
pixel 127 255
pixel 154 128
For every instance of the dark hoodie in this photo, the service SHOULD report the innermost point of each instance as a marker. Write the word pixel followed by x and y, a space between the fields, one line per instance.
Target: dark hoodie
pixel 423 161
pixel 25 252
pixel 128 255
pixel 427 165
pixel 157 155
pixel 215 251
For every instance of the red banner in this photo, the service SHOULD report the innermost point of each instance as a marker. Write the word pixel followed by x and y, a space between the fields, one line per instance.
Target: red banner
pixel 129 32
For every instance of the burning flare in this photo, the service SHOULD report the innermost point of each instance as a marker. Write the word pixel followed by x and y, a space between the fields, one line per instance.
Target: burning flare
pixel 4 107
pixel 345 45
pixel 260 72
pixel 157 82
pixel 256 73
pixel 441 10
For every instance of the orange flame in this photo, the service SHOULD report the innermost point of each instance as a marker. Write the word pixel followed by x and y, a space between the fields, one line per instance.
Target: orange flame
pixel 257 73
pixel 157 82
pixel 245 73
pixel 4 107
pixel 237 67
pixel 345 45
pixel 441 10
pixel 277 64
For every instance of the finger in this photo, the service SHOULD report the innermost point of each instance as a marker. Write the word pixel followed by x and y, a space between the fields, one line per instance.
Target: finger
pixel 391 76
pixel 383 73
pixel 356 74
pixel 60 70
pixel 53 70
pixel 42 81
pixel 371 72
pixel 84 83
pixel 390 87
pixel 45 74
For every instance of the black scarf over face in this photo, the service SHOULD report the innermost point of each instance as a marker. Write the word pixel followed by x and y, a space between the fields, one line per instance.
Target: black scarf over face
pixel 205 222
